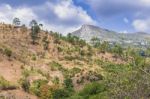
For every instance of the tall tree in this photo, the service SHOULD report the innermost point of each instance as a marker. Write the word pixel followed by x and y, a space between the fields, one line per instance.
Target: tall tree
pixel 35 29
pixel 16 22
pixel 95 41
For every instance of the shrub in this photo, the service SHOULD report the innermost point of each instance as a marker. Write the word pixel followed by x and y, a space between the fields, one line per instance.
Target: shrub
pixel 26 73
pixel 55 66
pixel 3 83
pixel 61 94
pixel 80 81
pixel 92 89
pixel 34 57
pixel 25 84
pixel 45 42
pixel 56 80
pixel 35 87
pixel 8 52
pixel 68 83
pixel 47 92
pixel 74 71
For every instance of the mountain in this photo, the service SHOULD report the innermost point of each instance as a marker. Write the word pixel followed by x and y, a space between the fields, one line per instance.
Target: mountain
pixel 87 32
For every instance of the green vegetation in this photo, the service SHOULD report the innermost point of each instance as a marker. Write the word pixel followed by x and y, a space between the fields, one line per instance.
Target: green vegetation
pixel 6 85
pixel 45 42
pixel 16 21
pixel 99 70
pixel 35 29
pixel 55 66
pixel 7 52
pixel 3 83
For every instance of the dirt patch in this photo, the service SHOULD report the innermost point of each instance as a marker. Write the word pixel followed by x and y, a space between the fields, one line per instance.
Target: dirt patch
pixel 16 94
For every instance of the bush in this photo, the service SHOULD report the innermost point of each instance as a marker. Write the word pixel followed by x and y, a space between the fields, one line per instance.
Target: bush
pixel 34 57
pixel 3 83
pixel 35 87
pixel 55 66
pixel 25 85
pixel 68 83
pixel 46 92
pixel 92 89
pixel 74 71
pixel 61 94
pixel 8 52
pixel 45 43
pixel 56 80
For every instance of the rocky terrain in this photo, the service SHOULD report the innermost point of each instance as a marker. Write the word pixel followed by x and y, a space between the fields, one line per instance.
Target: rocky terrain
pixel 87 32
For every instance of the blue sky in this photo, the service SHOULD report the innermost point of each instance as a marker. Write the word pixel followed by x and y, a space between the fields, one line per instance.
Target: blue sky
pixel 68 15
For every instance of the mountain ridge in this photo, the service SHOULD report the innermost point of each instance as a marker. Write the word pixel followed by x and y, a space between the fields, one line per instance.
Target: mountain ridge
pixel 87 32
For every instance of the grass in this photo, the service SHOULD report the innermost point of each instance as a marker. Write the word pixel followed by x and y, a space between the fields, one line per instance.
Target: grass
pixel 5 85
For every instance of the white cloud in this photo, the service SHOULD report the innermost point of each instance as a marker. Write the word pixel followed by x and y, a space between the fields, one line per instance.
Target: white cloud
pixel 62 16
pixel 66 11
pixel 142 25
pixel 145 2
pixel 124 31
pixel 24 14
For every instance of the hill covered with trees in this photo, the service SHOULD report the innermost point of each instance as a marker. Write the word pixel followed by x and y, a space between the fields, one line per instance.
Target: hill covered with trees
pixel 38 64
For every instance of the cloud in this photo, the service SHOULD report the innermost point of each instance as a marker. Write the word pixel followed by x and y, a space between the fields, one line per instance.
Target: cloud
pixel 142 25
pixel 24 14
pixel 57 15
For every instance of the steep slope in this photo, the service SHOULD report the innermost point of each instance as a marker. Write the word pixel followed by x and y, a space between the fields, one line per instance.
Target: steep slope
pixel 23 64
pixel 87 32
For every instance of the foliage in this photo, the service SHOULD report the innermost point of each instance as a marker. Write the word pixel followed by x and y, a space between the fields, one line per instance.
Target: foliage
pixel 35 87
pixel 55 80
pixel 55 66
pixel 3 83
pixel 68 83
pixel 95 90
pixel 69 38
pixel 35 29
pixel 117 49
pixel 34 57
pixel 45 92
pixel 61 94
pixel 104 47
pixel 45 42
pixel 25 84
pixel 8 52
pixel 16 21
pixel 95 42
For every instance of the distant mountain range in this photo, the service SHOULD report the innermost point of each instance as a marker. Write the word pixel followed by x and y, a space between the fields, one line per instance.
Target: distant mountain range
pixel 87 32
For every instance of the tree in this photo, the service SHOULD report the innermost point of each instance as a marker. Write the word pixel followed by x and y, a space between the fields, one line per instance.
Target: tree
pixel 118 50
pixel 41 26
pixel 95 41
pixel 45 42
pixel 16 21
pixel 68 83
pixel 103 47
pixel 33 23
pixel 35 29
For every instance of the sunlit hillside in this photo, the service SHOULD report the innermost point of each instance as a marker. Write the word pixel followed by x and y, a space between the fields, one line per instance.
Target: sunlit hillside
pixel 39 64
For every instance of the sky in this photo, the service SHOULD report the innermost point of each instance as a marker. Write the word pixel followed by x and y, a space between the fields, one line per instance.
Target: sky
pixel 65 16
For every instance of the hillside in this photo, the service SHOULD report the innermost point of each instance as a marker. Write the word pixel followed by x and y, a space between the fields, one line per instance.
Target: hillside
pixel 87 32
pixel 21 60
pixel 65 67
